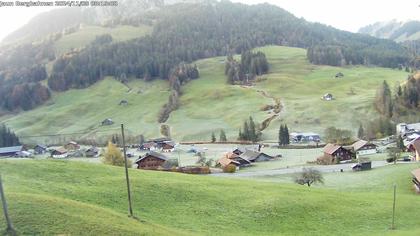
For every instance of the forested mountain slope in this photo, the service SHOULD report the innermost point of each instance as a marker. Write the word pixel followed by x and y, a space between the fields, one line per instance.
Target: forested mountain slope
pixel 394 30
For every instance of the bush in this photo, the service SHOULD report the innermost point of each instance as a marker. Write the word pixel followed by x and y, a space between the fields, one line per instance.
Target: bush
pixel 325 160
pixel 231 168
pixel 391 159
pixel 113 156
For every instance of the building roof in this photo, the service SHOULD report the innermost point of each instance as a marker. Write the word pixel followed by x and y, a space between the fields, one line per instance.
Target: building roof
pixel 303 134
pixel 93 149
pixel 149 145
pixel 11 149
pixel 226 161
pixel 73 143
pixel 250 155
pixel 416 174
pixel 41 146
pixel 359 144
pixel 416 144
pixel 61 150
pixel 154 154
pixel 331 148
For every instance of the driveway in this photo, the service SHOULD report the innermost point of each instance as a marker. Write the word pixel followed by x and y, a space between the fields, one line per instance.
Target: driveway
pixel 297 169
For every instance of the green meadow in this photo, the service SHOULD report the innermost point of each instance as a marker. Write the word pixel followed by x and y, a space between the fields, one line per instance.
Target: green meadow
pixel 209 104
pixel 74 198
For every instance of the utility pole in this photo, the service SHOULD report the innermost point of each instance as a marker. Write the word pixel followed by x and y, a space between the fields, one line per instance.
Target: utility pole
pixel 9 228
pixel 393 207
pixel 130 209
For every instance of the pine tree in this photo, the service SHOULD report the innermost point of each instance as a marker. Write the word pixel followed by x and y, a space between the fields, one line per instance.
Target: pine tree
pixel 252 130
pixel 361 132
pixel 246 133
pixel 222 137
pixel 213 137
pixel 281 135
pixel 286 135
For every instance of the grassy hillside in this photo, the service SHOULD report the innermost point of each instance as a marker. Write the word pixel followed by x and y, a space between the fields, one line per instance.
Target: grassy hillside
pixel 82 111
pixel 209 104
pixel 88 33
pixel 60 195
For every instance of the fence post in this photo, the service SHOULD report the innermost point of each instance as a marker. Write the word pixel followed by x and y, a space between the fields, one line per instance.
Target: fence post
pixel 9 229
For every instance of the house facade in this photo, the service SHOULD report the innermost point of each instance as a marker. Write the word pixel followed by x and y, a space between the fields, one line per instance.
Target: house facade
pixel 59 153
pixel 72 146
pixel 10 151
pixel 151 161
pixel 363 147
pixel 337 152
pixel 414 147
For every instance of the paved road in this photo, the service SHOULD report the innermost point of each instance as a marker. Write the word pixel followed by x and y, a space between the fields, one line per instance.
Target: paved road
pixel 292 170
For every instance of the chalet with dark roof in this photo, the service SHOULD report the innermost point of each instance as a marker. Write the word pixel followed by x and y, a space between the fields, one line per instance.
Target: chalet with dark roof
pixel 363 147
pixel 337 152
pixel 254 156
pixel 151 161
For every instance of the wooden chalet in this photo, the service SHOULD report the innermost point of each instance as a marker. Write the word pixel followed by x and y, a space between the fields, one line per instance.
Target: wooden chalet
pixel 149 146
pixel 40 149
pixel 60 152
pixel 10 151
pixel 151 161
pixel 72 146
pixel 236 158
pixel 92 152
pixel 168 147
pixel 337 152
pixel 224 161
pixel 416 179
pixel 414 147
pixel 363 147
pixel 254 156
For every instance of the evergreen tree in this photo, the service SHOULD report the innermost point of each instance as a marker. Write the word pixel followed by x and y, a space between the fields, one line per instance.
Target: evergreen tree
pixel 281 135
pixel 361 132
pixel 222 137
pixel 252 131
pixel 286 135
pixel 213 137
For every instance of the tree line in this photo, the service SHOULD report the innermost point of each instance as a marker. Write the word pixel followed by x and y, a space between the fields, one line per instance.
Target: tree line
pixel 249 131
pixel 252 64
pixel 7 137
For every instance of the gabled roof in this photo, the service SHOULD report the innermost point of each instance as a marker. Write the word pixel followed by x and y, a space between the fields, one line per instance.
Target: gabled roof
pixel 41 146
pixel 250 155
pixel 154 154
pixel 331 148
pixel 11 149
pixel 93 149
pixel 226 161
pixel 61 150
pixel 416 174
pixel 416 144
pixel 72 142
pixel 359 144
pixel 149 145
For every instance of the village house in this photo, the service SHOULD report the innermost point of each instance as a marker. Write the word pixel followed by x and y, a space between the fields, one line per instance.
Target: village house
pixel 40 149
pixel 241 149
pixel 10 151
pixel 337 152
pixel 151 161
pixel 92 152
pixel 60 152
pixel 72 146
pixel 363 147
pixel 149 146
pixel 168 147
pixel 107 121
pixel 414 147
pixel 327 97
pixel 254 156
pixel 224 161
pixel 416 180
pixel 237 160
pixel 405 130
pixel 297 137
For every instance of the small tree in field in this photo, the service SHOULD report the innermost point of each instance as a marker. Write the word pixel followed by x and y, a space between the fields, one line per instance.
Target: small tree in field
pixel 113 156
pixel 309 176
pixel 222 137
pixel 213 138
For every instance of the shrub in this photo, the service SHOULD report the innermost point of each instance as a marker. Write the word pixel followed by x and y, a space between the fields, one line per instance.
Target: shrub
pixel 231 168
pixel 113 156
pixel 325 160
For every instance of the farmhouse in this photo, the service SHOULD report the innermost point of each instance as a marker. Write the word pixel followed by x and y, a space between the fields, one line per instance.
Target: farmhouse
pixel 241 149
pixel 168 147
pixel 107 121
pixel 40 149
pixel 10 151
pixel 414 147
pixel 224 161
pixel 242 161
pixel 92 152
pixel 363 147
pixel 327 97
pixel 72 146
pixel 416 179
pixel 404 129
pixel 60 152
pixel 365 165
pixel 150 146
pixel 254 156
pixel 337 152
pixel 305 137
pixel 151 161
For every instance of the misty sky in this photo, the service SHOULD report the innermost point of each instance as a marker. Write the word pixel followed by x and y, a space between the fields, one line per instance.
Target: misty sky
pixel 343 14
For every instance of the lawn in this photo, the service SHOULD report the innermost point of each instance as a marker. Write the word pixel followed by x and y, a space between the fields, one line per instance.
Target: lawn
pixel 88 33
pixel 72 198
pixel 82 111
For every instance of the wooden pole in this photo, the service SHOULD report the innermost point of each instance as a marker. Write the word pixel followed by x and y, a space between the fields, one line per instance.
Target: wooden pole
pixel 393 207
pixel 130 209
pixel 9 228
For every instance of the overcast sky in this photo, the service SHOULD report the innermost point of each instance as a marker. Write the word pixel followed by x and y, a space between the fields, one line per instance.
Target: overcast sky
pixel 343 14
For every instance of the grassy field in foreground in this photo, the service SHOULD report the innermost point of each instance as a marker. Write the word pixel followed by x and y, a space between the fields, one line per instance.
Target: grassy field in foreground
pixel 88 33
pixel 60 195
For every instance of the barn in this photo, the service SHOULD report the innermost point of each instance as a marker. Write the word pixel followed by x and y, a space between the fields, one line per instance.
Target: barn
pixel 254 156
pixel 10 151
pixel 363 147
pixel 151 161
